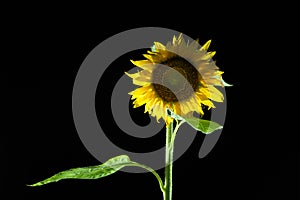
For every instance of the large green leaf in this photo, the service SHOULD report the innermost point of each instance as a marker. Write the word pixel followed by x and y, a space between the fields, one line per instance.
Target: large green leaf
pixel 99 171
pixel 92 172
pixel 205 126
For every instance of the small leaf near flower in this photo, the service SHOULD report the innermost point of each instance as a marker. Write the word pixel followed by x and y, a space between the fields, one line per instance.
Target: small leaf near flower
pixel 205 126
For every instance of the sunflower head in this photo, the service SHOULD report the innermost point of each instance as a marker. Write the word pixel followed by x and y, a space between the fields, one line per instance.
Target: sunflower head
pixel 178 76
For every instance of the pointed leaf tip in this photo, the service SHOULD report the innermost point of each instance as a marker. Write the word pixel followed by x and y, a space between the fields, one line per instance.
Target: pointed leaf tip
pixel 226 84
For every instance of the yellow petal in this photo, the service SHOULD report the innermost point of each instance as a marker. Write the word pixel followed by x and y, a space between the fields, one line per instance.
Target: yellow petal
pixel 176 109
pixel 174 40
pixel 218 73
pixel 145 74
pixel 144 64
pixel 149 57
pixel 179 38
pixel 149 105
pixel 169 45
pixel 151 52
pixel 215 94
pixel 140 83
pixel 208 103
pixel 144 79
pixel 140 78
pixel 142 99
pixel 183 43
pixel 140 91
pixel 194 45
pixel 205 46
pixel 205 101
pixel 200 111
pixel 195 105
pixel 137 79
pixel 158 110
pixel 159 45
pixel 212 53
pixel 152 110
pixel 184 108
pixel 135 75
pixel 208 55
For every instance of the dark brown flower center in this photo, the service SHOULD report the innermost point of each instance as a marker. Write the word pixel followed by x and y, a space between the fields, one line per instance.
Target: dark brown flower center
pixel 175 80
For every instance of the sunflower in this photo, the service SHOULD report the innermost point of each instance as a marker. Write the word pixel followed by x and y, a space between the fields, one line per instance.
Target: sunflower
pixel 179 76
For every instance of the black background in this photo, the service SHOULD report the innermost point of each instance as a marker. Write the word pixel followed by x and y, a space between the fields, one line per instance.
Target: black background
pixel 254 158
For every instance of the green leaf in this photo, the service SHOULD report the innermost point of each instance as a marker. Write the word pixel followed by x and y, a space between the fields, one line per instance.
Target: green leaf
pixel 205 126
pixel 92 172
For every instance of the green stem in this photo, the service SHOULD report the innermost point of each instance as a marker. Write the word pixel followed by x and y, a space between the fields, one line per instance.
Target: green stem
pixel 161 185
pixel 178 124
pixel 169 162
